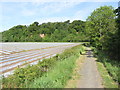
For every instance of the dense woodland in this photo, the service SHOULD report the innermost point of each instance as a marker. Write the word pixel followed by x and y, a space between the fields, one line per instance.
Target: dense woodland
pixel 51 32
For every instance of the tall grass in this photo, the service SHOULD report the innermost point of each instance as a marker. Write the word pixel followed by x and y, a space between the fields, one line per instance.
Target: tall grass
pixel 112 66
pixel 58 76
pixel 107 80
pixel 108 68
pixel 46 73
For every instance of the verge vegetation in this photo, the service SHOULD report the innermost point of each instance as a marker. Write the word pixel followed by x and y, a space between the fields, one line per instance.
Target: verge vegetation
pixel 49 73
pixel 109 70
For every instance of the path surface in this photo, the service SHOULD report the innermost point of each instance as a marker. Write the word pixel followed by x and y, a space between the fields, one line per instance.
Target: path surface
pixel 89 75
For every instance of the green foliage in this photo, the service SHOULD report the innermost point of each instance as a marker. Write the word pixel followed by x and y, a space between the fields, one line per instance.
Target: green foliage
pixel 101 26
pixel 58 76
pixel 54 32
pixel 107 80
pixel 23 77
pixel 103 29
pixel 111 66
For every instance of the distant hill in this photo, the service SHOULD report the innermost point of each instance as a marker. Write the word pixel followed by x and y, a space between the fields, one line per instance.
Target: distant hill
pixel 47 32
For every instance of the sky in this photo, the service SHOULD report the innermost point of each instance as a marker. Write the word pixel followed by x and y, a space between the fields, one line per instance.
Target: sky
pixel 25 12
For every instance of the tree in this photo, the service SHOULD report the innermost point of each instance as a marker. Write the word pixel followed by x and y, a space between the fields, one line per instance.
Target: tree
pixel 55 32
pixel 78 25
pixel 100 26
pixel 35 24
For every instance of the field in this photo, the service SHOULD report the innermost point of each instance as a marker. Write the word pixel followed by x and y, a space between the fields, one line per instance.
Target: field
pixel 15 55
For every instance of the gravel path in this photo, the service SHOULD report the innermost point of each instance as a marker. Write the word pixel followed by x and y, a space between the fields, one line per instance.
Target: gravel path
pixel 89 75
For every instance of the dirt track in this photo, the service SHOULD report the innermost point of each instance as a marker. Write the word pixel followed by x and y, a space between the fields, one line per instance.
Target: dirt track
pixel 89 75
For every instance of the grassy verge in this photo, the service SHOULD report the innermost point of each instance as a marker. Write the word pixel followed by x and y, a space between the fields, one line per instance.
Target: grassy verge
pixel 108 82
pixel 108 69
pixel 50 73
pixel 73 82
pixel 58 76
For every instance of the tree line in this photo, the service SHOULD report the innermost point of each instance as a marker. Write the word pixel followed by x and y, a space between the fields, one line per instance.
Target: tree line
pixel 53 32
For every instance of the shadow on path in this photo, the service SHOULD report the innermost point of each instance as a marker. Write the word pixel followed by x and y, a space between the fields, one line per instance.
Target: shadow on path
pixel 89 53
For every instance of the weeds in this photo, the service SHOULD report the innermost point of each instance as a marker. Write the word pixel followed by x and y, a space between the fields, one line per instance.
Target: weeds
pixel 110 73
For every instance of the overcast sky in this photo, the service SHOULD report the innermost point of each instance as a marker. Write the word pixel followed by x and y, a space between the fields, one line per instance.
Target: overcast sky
pixel 23 12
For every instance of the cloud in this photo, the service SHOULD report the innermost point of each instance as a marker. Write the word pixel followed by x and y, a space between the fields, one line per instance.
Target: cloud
pixel 58 6
pixel 45 9
pixel 80 14
pixel 28 13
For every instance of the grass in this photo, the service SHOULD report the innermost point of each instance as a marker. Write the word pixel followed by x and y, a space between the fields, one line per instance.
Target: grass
pixel 58 76
pixel 108 82
pixel 73 82
pixel 53 72
pixel 108 69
